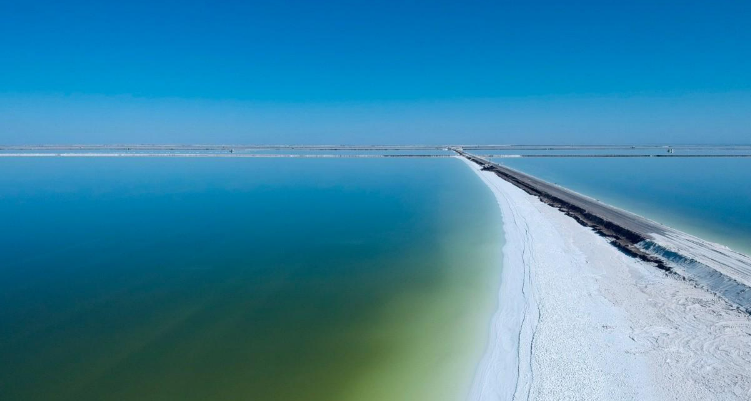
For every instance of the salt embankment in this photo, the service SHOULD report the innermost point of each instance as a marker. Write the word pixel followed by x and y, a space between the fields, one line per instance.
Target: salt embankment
pixel 578 319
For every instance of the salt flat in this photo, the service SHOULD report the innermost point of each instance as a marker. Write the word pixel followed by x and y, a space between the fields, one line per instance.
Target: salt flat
pixel 578 319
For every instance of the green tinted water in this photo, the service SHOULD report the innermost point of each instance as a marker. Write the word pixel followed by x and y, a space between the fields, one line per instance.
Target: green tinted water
pixel 227 279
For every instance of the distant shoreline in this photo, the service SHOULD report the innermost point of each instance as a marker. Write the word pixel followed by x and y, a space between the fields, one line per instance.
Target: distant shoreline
pixel 223 155
pixel 173 147
pixel 411 150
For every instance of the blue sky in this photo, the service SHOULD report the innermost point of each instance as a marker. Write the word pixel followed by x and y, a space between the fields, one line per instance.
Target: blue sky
pixel 375 72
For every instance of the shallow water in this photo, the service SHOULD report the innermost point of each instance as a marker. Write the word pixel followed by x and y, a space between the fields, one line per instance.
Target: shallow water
pixel 195 279
pixel 710 198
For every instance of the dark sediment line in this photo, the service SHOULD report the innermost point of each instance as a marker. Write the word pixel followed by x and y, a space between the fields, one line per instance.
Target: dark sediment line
pixel 622 238
pixel 717 269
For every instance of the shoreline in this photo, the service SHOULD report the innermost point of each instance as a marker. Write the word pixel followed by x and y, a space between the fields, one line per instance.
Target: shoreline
pixel 714 267
pixel 579 319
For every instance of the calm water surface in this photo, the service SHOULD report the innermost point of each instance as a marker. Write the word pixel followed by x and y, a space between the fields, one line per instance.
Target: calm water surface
pixel 710 198
pixel 244 279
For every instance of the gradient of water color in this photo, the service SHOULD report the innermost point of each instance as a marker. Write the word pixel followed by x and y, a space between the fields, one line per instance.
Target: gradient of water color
pixel 244 279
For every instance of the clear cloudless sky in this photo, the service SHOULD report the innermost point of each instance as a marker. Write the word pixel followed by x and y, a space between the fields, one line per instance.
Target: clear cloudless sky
pixel 375 72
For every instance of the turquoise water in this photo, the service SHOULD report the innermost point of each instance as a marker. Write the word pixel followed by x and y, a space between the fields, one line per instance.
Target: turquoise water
pixel 244 279
pixel 618 151
pixel 710 198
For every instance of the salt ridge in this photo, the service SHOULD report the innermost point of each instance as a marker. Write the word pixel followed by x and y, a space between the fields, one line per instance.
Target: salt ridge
pixel 578 319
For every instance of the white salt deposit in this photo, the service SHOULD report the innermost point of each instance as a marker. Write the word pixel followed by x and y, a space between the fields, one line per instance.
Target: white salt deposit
pixel 579 320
